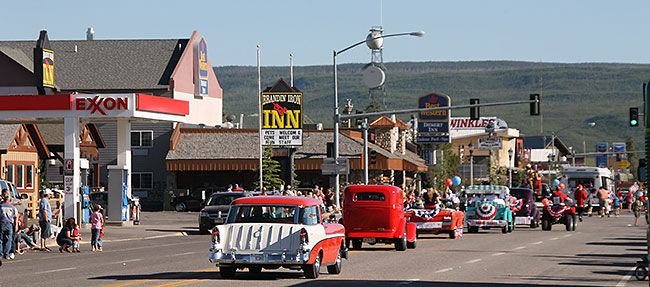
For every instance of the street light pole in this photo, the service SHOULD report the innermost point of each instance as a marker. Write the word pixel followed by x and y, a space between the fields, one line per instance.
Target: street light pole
pixel 336 102
pixel 471 163
pixel 510 153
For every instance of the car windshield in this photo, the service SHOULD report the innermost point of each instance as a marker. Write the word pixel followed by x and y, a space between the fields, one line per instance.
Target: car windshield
pixel 521 194
pixel 369 196
pixel 222 199
pixel 262 214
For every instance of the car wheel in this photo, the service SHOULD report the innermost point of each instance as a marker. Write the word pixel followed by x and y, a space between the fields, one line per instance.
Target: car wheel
pixel 227 272
pixel 400 243
pixel 504 229
pixel 575 222
pixel 640 273
pixel 255 269
pixel 412 245
pixel 546 225
pixel 336 268
pixel 203 230
pixel 533 224
pixel 312 270
pixel 356 244
pixel 472 229
pixel 180 207
pixel 569 222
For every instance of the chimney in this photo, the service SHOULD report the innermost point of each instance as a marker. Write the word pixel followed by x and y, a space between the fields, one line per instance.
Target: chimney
pixel 90 34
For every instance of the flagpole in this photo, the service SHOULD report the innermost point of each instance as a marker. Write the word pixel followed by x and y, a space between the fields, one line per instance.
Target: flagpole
pixel 259 97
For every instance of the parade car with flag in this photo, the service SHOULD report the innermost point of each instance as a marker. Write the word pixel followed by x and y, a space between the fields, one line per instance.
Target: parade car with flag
pixel 269 232
pixel 522 203
pixel 488 207
pixel 375 214
pixel 435 219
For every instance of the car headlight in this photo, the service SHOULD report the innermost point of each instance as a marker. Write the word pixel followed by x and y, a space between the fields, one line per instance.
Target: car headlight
pixel 204 213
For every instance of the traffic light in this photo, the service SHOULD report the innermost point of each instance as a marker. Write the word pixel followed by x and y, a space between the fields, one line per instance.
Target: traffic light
pixel 474 113
pixel 534 107
pixel 641 171
pixel 373 157
pixel 634 117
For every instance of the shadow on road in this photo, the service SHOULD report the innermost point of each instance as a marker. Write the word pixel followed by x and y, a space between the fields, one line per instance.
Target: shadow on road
pixel 241 275
pixel 326 282
pixel 187 231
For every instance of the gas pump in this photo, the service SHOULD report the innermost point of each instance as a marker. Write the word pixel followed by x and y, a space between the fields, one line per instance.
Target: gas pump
pixel 85 204
pixel 125 202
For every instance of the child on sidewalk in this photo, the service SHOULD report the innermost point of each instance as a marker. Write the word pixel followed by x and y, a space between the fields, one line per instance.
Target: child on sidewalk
pixel 97 227
pixel 77 236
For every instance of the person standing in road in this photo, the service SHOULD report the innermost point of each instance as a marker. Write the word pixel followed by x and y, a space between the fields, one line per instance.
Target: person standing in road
pixel 8 221
pixel 96 224
pixel 602 201
pixel 45 218
pixel 580 196
pixel 637 207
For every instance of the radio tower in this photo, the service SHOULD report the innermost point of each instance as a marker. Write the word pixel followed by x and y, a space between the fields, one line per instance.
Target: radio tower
pixel 374 72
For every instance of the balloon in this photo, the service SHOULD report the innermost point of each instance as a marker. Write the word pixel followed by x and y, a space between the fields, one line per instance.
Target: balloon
pixel 556 182
pixel 560 186
pixel 456 180
pixel 449 182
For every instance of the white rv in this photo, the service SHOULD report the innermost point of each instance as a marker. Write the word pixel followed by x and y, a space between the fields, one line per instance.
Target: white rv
pixel 588 177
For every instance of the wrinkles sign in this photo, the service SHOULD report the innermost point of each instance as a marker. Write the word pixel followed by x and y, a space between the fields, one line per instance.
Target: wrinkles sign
pixel 282 118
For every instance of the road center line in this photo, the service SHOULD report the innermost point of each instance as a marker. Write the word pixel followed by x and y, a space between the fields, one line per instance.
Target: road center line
pixel 127 261
pixel 185 253
pixel 56 270
pixel 626 278
pixel 538 242
pixel 444 270
pixel 519 248
pixel 554 238
pixel 473 261
pixel 497 254
pixel 565 236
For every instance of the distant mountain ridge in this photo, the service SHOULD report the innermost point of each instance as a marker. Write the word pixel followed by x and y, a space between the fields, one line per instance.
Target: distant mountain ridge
pixel 572 94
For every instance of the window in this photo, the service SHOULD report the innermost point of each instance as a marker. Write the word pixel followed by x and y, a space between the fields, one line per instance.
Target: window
pixel 309 215
pixel 141 138
pixel 10 172
pixel 20 180
pixel 261 214
pixel 369 196
pixel 142 180
pixel 29 177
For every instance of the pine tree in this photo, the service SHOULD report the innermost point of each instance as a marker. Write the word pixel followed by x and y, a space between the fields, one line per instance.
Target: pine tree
pixel 270 170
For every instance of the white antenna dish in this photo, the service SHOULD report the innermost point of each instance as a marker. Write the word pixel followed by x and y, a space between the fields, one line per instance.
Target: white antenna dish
pixel 373 76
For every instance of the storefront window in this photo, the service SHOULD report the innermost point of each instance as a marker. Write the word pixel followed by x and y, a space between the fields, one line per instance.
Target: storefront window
pixel 29 177
pixel 10 172
pixel 20 180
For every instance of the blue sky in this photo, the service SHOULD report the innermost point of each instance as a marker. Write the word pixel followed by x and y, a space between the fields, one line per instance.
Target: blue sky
pixel 548 31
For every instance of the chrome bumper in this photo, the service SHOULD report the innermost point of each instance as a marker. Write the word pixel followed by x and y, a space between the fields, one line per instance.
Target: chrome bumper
pixel 282 258
pixel 487 223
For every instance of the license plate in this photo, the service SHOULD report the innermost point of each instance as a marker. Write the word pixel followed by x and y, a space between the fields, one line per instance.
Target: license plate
pixel 258 258
pixel 369 240
pixel 430 225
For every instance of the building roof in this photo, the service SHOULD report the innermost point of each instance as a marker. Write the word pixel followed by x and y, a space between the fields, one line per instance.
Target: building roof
pixel 7 133
pixel 105 64
pixel 386 122
pixel 543 142
pixel 53 134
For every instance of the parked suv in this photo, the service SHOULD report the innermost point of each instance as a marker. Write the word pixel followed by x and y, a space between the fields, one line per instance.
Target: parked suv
pixel 216 209
pixel 193 201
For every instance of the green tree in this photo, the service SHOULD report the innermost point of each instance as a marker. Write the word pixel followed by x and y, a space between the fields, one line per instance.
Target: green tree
pixel 373 106
pixel 446 168
pixel 270 170
pixel 497 174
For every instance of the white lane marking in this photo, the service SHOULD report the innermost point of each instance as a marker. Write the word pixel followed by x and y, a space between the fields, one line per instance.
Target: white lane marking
pixel 57 270
pixel 565 236
pixel 181 254
pixel 626 278
pixel 519 248
pixel 444 270
pixel 554 238
pixel 409 281
pixel 126 261
pixel 497 254
pixel 538 242
pixel 473 261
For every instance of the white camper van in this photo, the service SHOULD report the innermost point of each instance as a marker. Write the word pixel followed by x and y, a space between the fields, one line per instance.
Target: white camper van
pixel 588 177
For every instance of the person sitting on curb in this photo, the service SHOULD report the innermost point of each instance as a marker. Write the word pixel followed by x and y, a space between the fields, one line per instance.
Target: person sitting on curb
pixel 65 238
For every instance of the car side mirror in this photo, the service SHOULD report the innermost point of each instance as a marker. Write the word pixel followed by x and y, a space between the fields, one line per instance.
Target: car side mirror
pixel 24 196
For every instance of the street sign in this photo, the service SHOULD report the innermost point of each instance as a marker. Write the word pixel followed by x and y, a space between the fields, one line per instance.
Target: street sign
pixel 601 160
pixel 601 147
pixel 281 115
pixel 433 127
pixel 330 166
pixel 432 139
pixel 623 164
pixel 489 143
pixel 618 147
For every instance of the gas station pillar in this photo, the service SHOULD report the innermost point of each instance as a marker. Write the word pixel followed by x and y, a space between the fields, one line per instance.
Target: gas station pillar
pixel 71 205
pixel 119 175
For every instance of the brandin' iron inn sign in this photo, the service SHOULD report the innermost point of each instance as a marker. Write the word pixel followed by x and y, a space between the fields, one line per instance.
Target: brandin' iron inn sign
pixel 282 118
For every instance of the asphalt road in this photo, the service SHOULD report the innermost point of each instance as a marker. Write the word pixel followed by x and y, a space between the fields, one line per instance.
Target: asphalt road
pixel 167 251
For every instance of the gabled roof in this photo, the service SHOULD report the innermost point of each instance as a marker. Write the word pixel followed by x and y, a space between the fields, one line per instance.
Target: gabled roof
pixel 53 134
pixel 386 122
pixel 543 142
pixel 8 132
pixel 106 64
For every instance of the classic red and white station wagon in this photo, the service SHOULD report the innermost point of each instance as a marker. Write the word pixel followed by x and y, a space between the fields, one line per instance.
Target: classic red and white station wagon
pixel 269 232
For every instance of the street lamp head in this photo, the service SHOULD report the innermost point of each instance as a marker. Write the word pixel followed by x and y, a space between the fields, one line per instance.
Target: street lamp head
pixel 510 152
pixel 591 124
pixel 417 34
pixel 471 146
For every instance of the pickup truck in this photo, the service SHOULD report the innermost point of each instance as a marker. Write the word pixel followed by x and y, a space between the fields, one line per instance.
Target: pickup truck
pixel 269 232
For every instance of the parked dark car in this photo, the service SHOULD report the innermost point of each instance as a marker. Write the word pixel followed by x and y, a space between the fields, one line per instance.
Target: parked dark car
pixel 526 212
pixel 193 201
pixel 100 197
pixel 217 207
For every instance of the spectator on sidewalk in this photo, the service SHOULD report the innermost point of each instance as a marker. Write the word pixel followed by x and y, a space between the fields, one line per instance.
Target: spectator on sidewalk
pixel 96 225
pixel 45 218
pixel 24 235
pixel 8 220
pixel 65 238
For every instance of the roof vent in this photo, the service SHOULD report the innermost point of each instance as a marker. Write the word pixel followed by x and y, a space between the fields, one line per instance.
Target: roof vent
pixel 90 34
